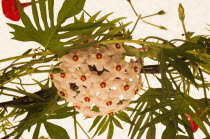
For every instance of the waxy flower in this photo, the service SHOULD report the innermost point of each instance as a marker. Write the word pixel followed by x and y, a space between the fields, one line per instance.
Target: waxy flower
pixel 103 81
pixel 10 9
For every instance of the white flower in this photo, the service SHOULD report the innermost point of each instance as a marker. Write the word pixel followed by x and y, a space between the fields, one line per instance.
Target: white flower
pixel 115 49
pixel 62 80
pixel 117 67
pixel 103 82
pixel 124 104
pixel 126 87
pixel 98 57
pixel 83 76
pixel 85 96
pixel 74 58
pixel 133 69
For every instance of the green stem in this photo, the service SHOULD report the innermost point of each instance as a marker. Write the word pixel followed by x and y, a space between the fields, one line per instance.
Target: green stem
pixel 25 56
pixel 185 31
pixel 12 125
pixel 139 17
pixel 83 130
pixel 129 1
pixel 75 124
pixel 204 87
pixel 137 42
pixel 144 73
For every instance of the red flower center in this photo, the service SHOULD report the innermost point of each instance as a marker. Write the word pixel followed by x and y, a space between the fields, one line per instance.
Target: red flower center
pixel 136 69
pixel 136 91
pixel 109 103
pixel 117 45
pixel 111 113
pixel 99 56
pixel 86 41
pixel 126 87
pixel 103 84
pixel 87 99
pixel 62 94
pixel 83 78
pixel 77 107
pixel 75 58
pixel 63 75
pixel 51 76
pixel 118 68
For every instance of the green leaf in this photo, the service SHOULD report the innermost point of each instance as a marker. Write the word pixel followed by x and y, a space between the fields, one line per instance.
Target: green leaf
pixel 55 131
pixel 181 137
pixel 95 122
pixel 69 9
pixel 37 130
pixel 123 116
pixel 100 126
pixel 151 133
pixel 110 131
pixel 117 123
pixel 170 131
pixel 182 68
pixel 103 129
pixel 157 119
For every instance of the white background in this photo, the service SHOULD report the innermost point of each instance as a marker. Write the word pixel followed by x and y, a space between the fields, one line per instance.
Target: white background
pixel 197 18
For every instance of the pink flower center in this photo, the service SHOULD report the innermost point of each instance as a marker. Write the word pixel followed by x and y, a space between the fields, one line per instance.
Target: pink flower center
pixel 63 75
pixel 98 56
pixel 87 99
pixel 75 58
pixel 126 87
pixel 103 85
pixel 109 103
pixel 83 78
pixel 117 45
pixel 118 68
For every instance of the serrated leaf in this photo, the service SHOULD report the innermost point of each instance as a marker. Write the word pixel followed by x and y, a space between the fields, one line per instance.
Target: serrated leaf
pixel 55 131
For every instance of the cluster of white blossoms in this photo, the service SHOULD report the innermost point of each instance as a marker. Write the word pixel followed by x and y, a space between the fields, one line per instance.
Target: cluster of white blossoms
pixel 98 80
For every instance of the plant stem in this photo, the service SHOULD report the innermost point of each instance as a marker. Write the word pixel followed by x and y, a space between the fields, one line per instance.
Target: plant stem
pixel 75 124
pixel 12 125
pixel 83 130
pixel 139 17
pixel 204 87
pixel 25 56
pixel 144 73
pixel 137 42
pixel 129 1
pixel 185 31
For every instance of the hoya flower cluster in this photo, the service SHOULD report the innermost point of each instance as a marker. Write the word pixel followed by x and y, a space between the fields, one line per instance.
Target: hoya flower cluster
pixel 98 80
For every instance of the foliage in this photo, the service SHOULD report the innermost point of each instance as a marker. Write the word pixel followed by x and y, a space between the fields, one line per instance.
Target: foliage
pixel 181 69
